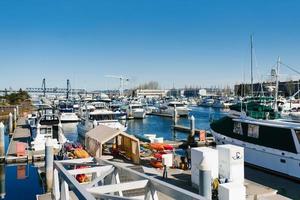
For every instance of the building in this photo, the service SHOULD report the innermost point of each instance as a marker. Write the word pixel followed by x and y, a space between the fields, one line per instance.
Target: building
pixel 285 88
pixel 150 93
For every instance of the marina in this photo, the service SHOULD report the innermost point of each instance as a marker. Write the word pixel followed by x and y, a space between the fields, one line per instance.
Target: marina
pixel 152 100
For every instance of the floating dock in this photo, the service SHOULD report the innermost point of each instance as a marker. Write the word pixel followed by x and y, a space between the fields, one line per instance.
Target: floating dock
pixel 185 129
pixel 160 114
pixel 21 138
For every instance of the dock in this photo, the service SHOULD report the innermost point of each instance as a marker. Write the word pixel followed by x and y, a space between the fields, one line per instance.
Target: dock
pixel 22 137
pixel 184 129
pixel 160 114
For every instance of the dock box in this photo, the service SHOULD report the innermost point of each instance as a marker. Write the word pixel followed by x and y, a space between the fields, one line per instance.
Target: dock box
pixel 231 162
pixel 232 191
pixel 197 155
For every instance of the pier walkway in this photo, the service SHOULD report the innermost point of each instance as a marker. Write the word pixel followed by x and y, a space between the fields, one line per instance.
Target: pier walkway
pixel 19 146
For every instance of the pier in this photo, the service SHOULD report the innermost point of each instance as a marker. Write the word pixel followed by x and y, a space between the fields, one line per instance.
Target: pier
pixel 19 146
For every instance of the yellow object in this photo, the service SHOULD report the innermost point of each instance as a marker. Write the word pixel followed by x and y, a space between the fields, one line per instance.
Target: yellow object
pixel 215 184
pixel 80 153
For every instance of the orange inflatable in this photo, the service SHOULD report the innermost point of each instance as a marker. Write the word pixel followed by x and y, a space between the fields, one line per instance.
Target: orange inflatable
pixel 156 164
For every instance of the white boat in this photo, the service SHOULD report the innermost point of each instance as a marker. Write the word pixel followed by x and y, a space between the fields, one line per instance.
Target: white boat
pixel 31 120
pixel 207 102
pixel 104 117
pixel 136 111
pixel 48 127
pixel 273 145
pixel 181 109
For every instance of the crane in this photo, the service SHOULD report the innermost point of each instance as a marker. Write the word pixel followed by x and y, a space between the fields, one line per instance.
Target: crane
pixel 122 81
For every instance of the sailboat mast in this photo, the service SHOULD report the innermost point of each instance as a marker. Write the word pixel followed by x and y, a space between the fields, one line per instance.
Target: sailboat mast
pixel 277 82
pixel 251 47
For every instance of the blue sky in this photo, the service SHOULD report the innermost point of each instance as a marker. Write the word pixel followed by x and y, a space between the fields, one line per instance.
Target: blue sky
pixel 180 42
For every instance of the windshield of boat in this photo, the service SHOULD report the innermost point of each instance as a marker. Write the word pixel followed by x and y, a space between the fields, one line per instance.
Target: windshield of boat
pixel 177 105
pixel 136 106
pixel 298 135
pixel 103 117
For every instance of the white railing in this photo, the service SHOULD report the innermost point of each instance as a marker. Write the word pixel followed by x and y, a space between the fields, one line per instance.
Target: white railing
pixel 106 183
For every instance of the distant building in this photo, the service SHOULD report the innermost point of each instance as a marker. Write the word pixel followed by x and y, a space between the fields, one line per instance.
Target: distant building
pixel 285 88
pixel 191 92
pixel 175 92
pixel 149 93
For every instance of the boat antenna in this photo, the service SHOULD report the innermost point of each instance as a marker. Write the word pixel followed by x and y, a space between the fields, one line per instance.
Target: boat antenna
pixel 251 48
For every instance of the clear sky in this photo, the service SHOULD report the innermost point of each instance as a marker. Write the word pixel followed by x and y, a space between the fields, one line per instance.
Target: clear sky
pixel 180 42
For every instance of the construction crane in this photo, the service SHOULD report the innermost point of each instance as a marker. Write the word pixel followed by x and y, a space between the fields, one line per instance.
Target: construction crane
pixel 122 79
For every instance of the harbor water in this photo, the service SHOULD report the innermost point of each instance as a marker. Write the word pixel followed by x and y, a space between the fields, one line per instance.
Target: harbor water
pixel 22 182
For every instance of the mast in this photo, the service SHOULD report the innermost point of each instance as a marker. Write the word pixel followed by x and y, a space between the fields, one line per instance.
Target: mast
pixel 277 83
pixel 251 48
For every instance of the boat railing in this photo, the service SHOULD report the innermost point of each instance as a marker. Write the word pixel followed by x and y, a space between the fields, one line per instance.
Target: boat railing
pixel 110 181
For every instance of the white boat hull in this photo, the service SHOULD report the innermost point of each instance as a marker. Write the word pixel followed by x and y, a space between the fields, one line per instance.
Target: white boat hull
pixel 69 117
pixel 281 162
pixel 139 114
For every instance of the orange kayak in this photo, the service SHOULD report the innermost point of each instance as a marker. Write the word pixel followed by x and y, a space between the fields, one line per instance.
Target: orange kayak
pixel 156 164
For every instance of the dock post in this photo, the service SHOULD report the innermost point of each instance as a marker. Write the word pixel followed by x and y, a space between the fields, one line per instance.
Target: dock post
pixel 15 118
pixel 49 164
pixel 2 141
pixel 2 181
pixel 175 116
pixel 10 123
pixel 205 181
pixel 192 130
pixel 18 111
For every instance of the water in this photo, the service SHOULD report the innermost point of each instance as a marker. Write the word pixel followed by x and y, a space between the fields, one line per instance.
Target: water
pixel 161 126
pixel 28 187
pixel 19 182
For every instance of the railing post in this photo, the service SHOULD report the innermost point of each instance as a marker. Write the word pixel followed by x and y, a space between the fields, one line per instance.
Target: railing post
pixel 49 164
pixel 55 190
pixel 65 195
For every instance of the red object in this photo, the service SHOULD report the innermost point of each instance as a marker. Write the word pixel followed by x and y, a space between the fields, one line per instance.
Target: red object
pixel 20 149
pixel 168 147
pixel 202 135
pixel 158 155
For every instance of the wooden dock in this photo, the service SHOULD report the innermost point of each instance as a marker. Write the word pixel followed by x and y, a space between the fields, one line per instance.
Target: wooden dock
pixel 185 129
pixel 22 136
pixel 160 114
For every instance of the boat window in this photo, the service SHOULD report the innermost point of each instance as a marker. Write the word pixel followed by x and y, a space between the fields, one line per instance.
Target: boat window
pixel 298 135
pixel 253 131
pixel 237 128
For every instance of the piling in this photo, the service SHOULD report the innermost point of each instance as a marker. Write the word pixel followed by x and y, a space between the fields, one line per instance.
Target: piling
pixel 2 181
pixel 175 117
pixel 192 130
pixel 49 164
pixel 10 123
pixel 18 111
pixel 205 180
pixel 15 118
pixel 192 125
pixel 2 140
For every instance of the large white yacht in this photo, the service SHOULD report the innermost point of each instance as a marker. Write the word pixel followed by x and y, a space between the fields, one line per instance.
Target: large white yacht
pixel 94 118
pixel 136 110
pixel 182 110
pixel 273 145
